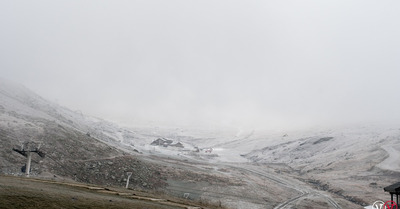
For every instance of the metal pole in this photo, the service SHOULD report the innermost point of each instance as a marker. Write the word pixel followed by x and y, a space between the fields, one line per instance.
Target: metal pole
pixel 28 163
pixel 127 181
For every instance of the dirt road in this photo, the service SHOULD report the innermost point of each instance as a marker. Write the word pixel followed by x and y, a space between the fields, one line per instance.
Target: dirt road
pixel 18 192
pixel 304 190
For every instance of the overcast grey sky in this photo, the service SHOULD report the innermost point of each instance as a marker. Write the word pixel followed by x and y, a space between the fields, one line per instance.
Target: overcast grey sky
pixel 262 64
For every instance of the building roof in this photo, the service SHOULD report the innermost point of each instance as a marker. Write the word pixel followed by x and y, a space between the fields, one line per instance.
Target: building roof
pixel 394 188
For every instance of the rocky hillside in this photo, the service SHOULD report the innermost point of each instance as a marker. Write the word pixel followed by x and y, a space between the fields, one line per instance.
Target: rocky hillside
pixel 82 148
pixel 77 147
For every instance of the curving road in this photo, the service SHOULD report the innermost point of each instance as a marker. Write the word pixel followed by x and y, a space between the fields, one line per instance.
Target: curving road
pixel 392 161
pixel 304 191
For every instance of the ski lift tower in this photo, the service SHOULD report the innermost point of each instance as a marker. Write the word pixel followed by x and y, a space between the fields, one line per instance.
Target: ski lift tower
pixel 127 181
pixel 26 150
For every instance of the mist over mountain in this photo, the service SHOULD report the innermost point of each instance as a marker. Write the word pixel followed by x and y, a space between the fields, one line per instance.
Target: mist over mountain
pixel 339 167
pixel 234 104
pixel 254 65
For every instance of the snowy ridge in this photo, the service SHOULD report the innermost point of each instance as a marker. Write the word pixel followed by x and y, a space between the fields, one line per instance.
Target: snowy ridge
pixel 325 149
pixel 304 150
pixel 20 104
pixel 352 163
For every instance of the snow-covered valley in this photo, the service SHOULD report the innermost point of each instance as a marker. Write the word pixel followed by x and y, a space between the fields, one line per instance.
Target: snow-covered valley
pixel 325 168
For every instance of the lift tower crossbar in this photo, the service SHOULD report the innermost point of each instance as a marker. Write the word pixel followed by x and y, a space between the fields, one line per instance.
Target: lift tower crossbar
pixel 28 154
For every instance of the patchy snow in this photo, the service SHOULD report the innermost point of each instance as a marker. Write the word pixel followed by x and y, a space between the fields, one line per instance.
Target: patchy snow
pixel 229 155
pixel 229 145
pixel 344 152
pixel 19 105
pixel 392 161
pixel 324 147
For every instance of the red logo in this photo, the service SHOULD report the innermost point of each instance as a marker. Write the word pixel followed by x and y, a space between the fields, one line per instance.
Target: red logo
pixel 390 205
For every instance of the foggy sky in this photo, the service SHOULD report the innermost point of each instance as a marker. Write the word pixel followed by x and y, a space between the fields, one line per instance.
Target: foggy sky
pixel 254 64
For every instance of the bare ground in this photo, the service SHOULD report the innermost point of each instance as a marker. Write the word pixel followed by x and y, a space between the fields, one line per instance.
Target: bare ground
pixel 20 192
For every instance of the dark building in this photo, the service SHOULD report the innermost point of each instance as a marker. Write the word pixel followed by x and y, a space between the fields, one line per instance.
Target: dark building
pixel 393 189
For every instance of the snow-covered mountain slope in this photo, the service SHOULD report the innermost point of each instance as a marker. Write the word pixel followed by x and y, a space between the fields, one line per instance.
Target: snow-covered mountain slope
pixel 327 149
pixel 76 146
pixel 18 105
pixel 352 163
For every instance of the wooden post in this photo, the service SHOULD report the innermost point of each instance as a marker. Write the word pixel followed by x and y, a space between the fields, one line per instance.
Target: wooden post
pixel 28 163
